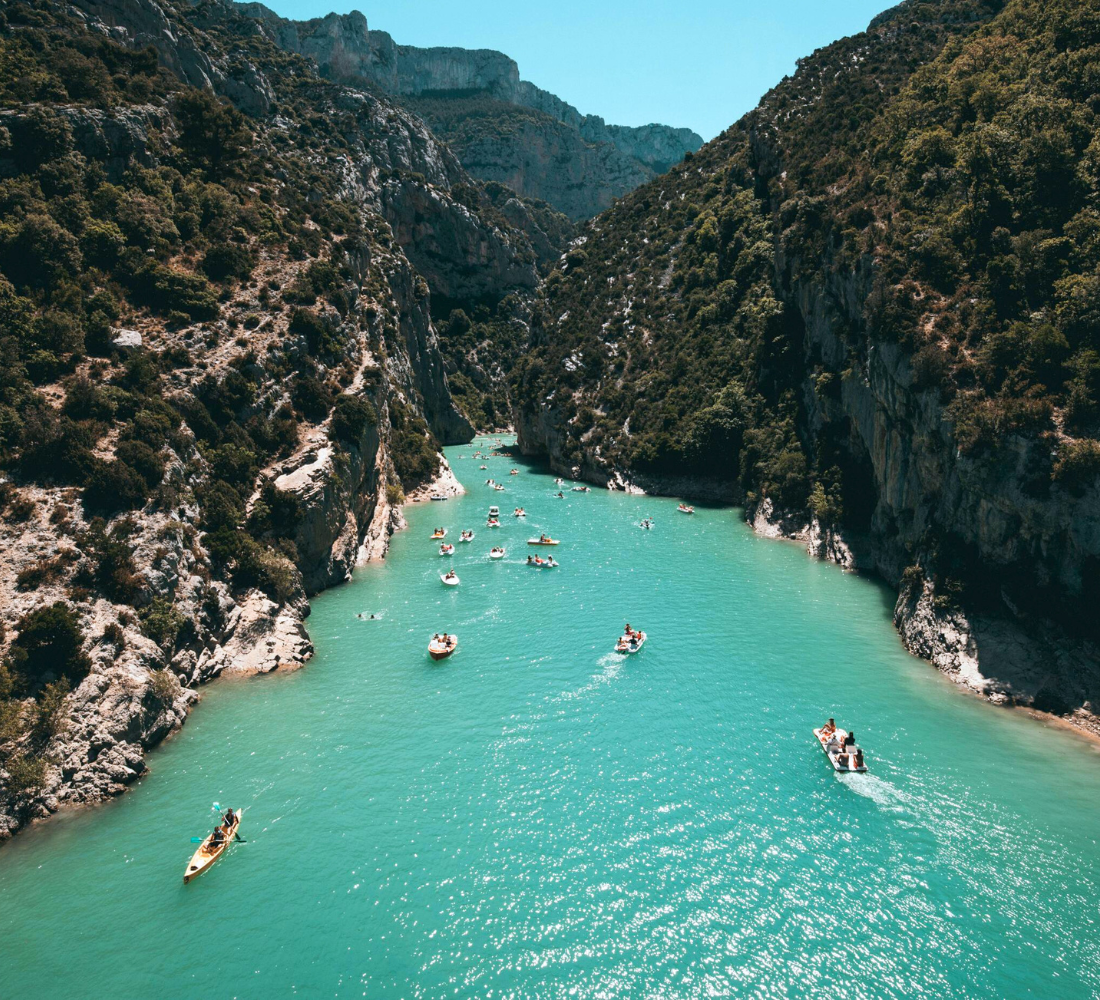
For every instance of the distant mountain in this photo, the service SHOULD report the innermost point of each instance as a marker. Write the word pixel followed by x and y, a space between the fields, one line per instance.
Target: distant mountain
pixel 501 127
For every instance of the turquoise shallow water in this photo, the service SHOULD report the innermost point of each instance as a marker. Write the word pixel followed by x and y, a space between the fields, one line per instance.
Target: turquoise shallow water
pixel 538 817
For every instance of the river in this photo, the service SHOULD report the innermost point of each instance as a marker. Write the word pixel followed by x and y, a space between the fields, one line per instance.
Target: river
pixel 539 817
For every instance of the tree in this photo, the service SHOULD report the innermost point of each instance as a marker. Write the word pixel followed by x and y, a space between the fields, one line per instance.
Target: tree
pixel 212 135
pixel 49 646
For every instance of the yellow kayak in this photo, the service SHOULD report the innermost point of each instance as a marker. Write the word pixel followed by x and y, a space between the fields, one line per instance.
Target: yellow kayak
pixel 208 852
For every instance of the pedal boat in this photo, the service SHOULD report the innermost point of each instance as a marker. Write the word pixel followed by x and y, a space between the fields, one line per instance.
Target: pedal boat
pixel 630 643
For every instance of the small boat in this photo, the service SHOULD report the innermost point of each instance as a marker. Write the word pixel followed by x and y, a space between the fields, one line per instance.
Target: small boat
pixel 581 489
pixel 685 509
pixel 450 579
pixel 494 511
pixel 442 646
pixel 209 852
pixel 519 512
pixel 514 472
pixel 833 745
pixel 558 482
pixel 630 643
pixel 542 540
pixel 492 523
pixel 539 563
pixel 438 497
pixel 439 533
pixel 497 486
pixel 496 553
pixel 466 536
pixel 446 550
pixel 647 524
pixel 483 466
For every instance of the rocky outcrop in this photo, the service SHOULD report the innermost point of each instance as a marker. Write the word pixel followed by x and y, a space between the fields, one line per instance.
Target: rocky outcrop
pixel 426 230
pixel 577 163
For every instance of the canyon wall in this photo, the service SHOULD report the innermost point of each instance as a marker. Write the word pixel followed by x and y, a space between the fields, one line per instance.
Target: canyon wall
pixel 503 128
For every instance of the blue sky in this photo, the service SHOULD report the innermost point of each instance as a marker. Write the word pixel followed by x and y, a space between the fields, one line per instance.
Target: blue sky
pixel 699 63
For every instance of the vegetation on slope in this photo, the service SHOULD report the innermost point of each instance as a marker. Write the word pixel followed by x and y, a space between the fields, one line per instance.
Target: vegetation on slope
pixel 952 153
pixel 187 295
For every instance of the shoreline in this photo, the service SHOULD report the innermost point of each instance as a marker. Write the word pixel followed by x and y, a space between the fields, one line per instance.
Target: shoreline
pixel 260 638
pixel 945 641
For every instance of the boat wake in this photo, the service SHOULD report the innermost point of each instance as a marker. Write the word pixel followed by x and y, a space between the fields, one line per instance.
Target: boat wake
pixel 611 664
pixel 880 791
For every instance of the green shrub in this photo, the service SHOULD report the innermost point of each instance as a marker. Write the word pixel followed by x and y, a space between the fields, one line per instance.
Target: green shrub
pixel 1077 466
pixel 161 621
pixel 114 486
pixel 351 415
pixel 48 646
pixel 26 772
pixel 49 711
pixel 143 460
pixel 228 260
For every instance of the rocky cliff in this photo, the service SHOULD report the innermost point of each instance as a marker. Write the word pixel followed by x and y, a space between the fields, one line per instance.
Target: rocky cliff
pixel 216 281
pixel 838 313
pixel 503 128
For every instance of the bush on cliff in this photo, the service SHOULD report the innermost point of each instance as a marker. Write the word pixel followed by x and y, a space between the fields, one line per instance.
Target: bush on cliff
pixel 49 646
pixel 351 415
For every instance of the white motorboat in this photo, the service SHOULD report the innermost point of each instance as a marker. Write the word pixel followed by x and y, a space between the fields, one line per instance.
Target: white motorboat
pixel 446 550
pixel 842 756
pixel 466 536
pixel 496 553
pixel 442 646
pixel 449 579
pixel 630 643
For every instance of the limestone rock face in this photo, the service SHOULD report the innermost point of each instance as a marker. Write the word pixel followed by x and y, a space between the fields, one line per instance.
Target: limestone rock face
pixel 429 231
pixel 577 163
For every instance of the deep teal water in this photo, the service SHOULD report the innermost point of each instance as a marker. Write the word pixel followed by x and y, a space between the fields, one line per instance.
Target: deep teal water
pixel 537 817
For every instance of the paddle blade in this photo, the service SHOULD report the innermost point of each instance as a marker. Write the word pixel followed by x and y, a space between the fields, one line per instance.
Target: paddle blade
pixel 196 840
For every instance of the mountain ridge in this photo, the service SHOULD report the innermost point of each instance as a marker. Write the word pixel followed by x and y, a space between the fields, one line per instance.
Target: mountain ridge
pixel 344 47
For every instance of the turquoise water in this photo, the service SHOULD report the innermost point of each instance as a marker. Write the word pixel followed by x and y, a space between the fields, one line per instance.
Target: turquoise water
pixel 538 817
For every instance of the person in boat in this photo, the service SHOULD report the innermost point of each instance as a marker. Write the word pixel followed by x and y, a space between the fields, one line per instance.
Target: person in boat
pixel 218 837
pixel 561 496
pixel 629 630
pixel 858 762
pixel 229 819
pixel 529 560
pixel 850 740
pixel 842 759
pixel 829 728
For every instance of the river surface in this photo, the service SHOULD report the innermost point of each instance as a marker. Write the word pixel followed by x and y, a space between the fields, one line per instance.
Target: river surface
pixel 540 817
